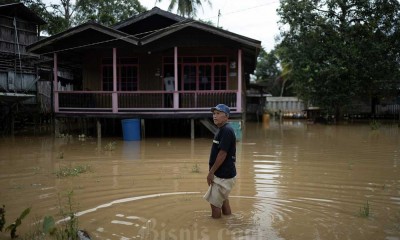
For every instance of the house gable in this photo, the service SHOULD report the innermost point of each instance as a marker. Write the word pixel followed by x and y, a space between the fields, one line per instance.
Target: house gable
pixel 156 23
pixel 157 30
pixel 148 22
pixel 201 28
pixel 20 11
pixel 82 37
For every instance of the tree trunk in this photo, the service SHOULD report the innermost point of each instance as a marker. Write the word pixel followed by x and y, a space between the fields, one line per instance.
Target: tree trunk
pixel 283 87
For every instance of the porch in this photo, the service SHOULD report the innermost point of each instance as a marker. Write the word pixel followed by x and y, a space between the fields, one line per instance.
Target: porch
pixel 143 104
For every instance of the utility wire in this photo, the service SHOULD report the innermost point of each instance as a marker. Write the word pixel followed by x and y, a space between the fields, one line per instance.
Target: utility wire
pixel 177 25
pixel 157 30
pixel 101 42
pixel 241 10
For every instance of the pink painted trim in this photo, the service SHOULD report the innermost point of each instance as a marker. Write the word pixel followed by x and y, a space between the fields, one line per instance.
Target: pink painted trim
pixel 114 95
pixel 176 94
pixel 55 87
pixel 114 69
pixel 153 91
pixel 239 92
pixel 142 95
pixel 114 102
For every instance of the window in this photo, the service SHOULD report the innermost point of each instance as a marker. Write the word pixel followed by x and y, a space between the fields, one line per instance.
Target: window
pixel 200 73
pixel 189 77
pixel 127 74
pixel 205 77
pixel 128 79
pixel 107 78
pixel 220 77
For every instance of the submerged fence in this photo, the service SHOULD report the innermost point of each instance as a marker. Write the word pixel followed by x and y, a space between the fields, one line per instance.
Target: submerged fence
pixel 294 107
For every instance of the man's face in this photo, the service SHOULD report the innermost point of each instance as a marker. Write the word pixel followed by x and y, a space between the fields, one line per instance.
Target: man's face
pixel 220 118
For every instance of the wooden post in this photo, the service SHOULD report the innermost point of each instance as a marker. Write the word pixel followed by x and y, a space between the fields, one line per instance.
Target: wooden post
pixel 98 125
pixel 56 127
pixel 191 128
pixel 142 128
pixel 12 122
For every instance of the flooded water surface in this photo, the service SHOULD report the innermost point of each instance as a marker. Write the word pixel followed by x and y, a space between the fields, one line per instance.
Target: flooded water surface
pixel 295 181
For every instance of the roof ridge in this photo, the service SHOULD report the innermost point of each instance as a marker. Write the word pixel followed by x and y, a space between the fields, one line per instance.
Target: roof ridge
pixel 148 13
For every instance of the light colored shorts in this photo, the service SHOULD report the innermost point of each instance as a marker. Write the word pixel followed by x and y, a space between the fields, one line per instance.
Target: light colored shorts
pixel 219 191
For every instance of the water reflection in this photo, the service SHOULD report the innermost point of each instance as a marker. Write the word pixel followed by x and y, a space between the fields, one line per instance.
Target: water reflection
pixel 295 181
pixel 131 150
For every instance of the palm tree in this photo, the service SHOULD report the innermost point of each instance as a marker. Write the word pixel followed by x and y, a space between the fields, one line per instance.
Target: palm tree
pixel 186 7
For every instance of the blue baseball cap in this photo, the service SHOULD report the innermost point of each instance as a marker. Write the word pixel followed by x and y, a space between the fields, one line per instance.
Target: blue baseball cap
pixel 221 108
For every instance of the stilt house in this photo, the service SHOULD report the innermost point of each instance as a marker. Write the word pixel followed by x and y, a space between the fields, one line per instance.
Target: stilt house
pixel 153 65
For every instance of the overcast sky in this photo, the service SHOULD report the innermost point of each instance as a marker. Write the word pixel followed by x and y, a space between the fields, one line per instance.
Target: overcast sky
pixel 256 19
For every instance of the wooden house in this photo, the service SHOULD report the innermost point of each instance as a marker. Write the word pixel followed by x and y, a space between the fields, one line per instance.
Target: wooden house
pixel 153 65
pixel 19 27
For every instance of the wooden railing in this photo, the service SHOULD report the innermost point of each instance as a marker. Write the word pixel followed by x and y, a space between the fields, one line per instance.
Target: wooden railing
pixel 207 99
pixel 84 101
pixel 141 101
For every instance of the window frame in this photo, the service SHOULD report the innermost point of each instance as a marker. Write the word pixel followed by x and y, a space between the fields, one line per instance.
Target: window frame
pixel 122 63
pixel 197 63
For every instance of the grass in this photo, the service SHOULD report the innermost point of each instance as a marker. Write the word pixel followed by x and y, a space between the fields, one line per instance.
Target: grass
pixel 365 210
pixel 48 228
pixel 351 164
pixel 374 124
pixel 196 168
pixel 110 146
pixel 72 171
pixel 2 217
pixel 12 228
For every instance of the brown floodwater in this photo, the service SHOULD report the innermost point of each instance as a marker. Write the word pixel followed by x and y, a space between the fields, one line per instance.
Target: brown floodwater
pixel 295 181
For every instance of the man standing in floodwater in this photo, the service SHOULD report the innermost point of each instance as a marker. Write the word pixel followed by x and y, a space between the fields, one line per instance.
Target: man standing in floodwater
pixel 222 169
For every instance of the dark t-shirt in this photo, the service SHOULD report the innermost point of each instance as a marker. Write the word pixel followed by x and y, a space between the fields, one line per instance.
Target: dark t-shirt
pixel 224 139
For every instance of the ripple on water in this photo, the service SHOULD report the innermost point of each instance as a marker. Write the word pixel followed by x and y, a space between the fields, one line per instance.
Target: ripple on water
pixel 325 199
pixel 309 182
pixel 177 216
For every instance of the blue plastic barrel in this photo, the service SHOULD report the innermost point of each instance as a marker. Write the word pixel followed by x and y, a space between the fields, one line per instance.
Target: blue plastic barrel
pixel 131 129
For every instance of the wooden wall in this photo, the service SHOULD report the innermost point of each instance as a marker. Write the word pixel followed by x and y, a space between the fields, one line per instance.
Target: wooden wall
pixel 150 65
pixel 27 34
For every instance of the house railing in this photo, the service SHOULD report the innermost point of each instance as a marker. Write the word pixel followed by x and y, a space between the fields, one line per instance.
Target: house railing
pixel 141 101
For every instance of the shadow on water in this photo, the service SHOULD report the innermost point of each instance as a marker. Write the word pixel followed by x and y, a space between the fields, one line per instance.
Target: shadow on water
pixel 295 181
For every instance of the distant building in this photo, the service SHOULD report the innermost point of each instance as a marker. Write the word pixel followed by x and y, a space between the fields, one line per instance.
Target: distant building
pixel 287 107
pixel 19 27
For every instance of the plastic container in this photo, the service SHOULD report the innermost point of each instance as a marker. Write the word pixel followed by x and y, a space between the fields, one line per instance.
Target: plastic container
pixel 131 129
pixel 237 128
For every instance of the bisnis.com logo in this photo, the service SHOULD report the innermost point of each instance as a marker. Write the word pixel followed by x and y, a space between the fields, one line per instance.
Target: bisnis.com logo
pixel 152 230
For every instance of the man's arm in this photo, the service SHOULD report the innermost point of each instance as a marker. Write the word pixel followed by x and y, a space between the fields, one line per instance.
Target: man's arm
pixel 218 162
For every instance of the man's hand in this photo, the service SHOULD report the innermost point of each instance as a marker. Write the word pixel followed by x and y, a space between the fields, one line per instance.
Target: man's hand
pixel 210 178
pixel 220 159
